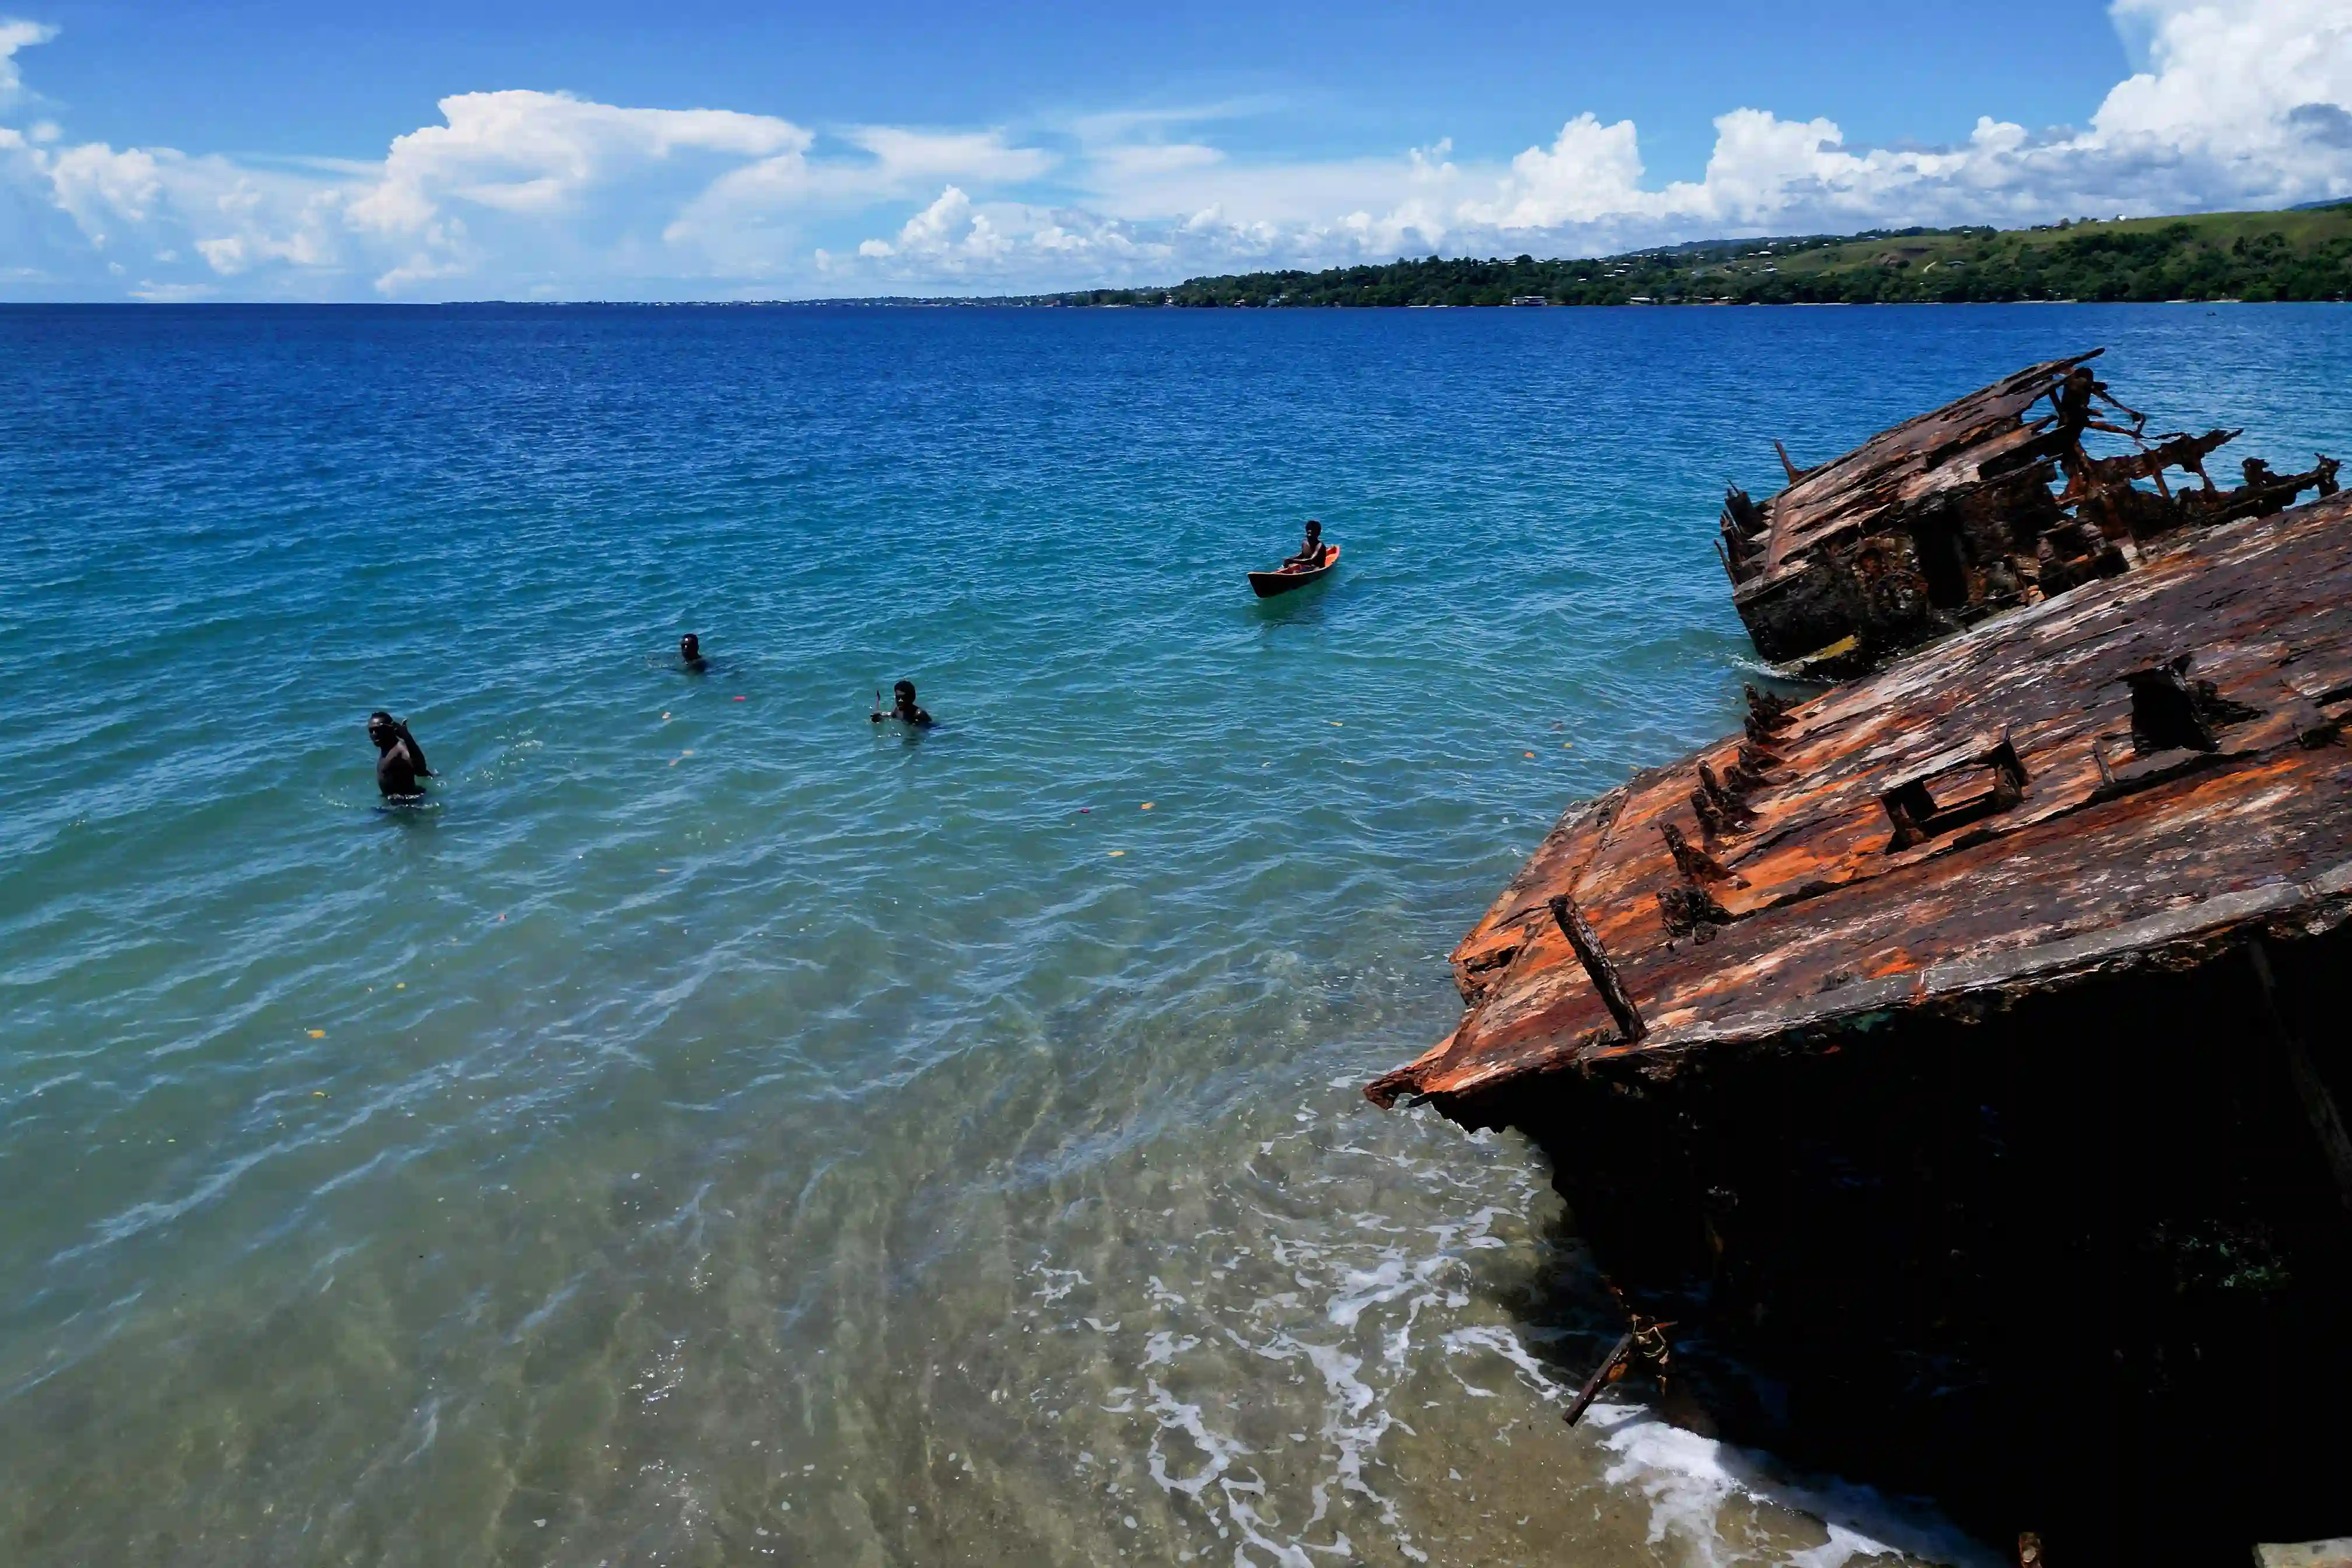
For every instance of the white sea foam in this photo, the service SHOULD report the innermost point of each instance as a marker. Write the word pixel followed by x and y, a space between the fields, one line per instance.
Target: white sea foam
pixel 1690 1480
pixel 1057 1283
pixel 1397 1313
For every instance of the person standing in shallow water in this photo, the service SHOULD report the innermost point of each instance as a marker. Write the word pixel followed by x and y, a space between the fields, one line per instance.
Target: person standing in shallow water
pixel 903 708
pixel 400 765
pixel 689 653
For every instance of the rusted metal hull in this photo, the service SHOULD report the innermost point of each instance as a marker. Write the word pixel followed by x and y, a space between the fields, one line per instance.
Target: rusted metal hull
pixel 1959 1053
pixel 2069 1265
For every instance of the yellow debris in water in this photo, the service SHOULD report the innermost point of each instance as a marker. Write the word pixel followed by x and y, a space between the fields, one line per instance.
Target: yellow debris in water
pixel 317 1034
pixel 1117 853
pixel 1531 754
pixel 400 986
pixel 1337 725
pixel 1147 805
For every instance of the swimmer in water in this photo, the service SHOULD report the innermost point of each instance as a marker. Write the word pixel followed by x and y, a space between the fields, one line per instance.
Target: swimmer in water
pixel 903 708
pixel 400 765
pixel 689 653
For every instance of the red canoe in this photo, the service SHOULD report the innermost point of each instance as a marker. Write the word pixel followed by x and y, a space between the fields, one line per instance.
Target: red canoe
pixel 1266 584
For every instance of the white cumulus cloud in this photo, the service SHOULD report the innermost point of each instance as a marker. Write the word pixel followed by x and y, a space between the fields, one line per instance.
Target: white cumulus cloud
pixel 539 152
pixel 747 220
pixel 2234 103
pixel 17 33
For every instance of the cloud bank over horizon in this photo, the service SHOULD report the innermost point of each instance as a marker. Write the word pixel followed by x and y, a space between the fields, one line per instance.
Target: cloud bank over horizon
pixel 524 193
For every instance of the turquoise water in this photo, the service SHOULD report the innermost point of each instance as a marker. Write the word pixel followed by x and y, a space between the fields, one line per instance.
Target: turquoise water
pixel 716 1130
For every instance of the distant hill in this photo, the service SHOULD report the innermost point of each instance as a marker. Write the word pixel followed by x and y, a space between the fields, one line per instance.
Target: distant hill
pixel 2304 254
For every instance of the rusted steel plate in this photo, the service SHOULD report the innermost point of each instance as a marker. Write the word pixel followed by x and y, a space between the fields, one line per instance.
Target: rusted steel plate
pixel 2046 792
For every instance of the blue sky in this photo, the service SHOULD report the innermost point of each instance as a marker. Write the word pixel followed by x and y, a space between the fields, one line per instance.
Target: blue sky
pixel 256 150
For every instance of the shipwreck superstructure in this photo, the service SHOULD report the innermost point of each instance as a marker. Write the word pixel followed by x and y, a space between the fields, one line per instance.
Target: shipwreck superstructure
pixel 1957 1056
pixel 1987 504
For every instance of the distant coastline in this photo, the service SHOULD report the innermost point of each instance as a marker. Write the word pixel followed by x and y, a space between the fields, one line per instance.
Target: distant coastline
pixel 2301 254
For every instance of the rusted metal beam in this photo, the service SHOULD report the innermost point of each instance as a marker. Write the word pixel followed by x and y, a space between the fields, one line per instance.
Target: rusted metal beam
pixel 1610 1364
pixel 1603 973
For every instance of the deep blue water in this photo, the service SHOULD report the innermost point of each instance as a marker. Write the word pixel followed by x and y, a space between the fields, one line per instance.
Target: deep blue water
pixel 715 1129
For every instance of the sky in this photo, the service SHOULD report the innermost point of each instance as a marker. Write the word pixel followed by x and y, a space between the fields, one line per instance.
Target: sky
pixel 517 149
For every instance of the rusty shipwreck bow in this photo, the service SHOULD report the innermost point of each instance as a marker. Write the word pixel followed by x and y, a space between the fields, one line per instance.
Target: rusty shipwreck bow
pixel 1958 1053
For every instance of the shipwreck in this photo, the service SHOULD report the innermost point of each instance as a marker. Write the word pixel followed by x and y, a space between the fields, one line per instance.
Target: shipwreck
pixel 1952 1063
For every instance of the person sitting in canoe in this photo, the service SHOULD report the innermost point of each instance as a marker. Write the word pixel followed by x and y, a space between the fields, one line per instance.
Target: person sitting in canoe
pixel 1310 554
pixel 903 707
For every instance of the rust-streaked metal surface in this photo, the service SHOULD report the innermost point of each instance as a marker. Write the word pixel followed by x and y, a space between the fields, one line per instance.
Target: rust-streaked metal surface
pixel 1958 445
pixel 2054 815
pixel 1958 515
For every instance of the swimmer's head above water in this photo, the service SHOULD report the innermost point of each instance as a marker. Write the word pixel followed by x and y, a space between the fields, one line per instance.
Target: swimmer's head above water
pixel 400 763
pixel 689 651
pixel 903 707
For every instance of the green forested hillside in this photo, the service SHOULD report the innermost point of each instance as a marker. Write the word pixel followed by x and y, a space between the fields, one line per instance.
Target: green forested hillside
pixel 2216 256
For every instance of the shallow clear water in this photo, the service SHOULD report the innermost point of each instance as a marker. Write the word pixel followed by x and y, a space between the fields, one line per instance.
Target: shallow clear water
pixel 716 1130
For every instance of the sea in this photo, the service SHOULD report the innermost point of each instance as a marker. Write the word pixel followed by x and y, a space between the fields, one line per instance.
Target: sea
pixel 717 1128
